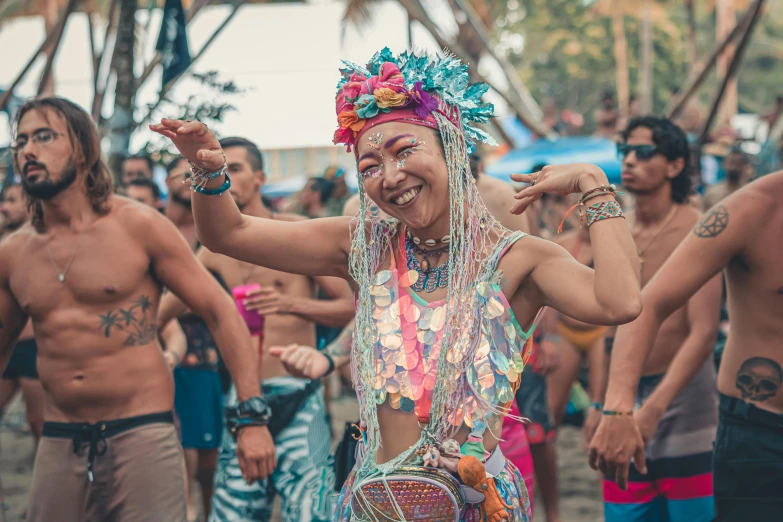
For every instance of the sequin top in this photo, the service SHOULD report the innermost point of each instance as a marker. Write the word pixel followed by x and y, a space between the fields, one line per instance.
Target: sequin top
pixel 408 333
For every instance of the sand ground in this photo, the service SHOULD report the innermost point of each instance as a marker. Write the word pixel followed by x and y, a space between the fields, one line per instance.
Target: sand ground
pixel 580 487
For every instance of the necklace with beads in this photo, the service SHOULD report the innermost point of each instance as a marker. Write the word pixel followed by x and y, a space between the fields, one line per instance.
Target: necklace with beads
pixel 431 278
pixel 428 242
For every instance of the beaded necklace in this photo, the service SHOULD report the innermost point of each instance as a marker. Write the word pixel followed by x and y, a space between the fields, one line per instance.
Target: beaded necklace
pixel 430 278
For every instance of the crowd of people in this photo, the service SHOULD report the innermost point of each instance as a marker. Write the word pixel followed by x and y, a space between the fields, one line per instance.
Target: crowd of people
pixel 167 347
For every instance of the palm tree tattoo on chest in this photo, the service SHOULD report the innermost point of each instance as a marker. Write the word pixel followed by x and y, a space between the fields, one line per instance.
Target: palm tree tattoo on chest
pixel 713 223
pixel 134 321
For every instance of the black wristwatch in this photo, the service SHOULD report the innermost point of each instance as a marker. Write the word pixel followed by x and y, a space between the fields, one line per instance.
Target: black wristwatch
pixel 254 411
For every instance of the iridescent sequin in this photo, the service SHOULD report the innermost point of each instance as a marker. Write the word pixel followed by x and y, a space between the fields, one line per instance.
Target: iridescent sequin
pixel 407 336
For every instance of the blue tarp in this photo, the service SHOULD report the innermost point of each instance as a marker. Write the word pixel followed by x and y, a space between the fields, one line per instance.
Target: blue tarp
pixel 290 186
pixel 567 149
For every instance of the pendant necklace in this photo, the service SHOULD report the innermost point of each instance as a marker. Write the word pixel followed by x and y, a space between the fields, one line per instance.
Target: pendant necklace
pixel 431 277
pixel 666 220
pixel 61 275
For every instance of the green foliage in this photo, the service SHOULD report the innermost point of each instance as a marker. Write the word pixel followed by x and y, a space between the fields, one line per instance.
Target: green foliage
pixel 209 106
pixel 564 50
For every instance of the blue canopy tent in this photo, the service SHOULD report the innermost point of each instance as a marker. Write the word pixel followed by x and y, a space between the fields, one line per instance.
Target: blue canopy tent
pixel 290 186
pixel 567 149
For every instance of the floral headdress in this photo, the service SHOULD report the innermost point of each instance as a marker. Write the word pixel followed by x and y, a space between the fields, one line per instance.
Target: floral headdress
pixel 410 88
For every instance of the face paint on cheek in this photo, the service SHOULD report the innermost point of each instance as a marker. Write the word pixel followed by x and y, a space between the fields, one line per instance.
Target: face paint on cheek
pixel 374 172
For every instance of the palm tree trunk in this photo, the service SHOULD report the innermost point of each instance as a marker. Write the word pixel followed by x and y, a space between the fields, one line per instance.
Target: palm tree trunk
pixel 646 61
pixel 46 87
pixel 621 59
pixel 121 123
pixel 726 19
pixel 692 53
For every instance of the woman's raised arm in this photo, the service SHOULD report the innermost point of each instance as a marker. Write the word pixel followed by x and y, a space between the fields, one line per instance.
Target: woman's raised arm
pixel 315 247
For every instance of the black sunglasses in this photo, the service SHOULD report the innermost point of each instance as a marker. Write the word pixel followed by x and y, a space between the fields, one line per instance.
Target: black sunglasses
pixel 643 152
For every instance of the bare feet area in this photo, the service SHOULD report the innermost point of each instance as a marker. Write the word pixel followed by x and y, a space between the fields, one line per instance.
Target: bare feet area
pixel 580 487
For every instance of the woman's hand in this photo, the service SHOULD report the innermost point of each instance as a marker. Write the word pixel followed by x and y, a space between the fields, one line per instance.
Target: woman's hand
pixel 194 141
pixel 558 179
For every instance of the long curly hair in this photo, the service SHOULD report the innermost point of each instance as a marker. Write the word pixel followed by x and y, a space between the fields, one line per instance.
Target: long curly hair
pixel 86 157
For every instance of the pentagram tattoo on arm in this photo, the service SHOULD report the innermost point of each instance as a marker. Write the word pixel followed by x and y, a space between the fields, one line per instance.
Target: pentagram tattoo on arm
pixel 713 223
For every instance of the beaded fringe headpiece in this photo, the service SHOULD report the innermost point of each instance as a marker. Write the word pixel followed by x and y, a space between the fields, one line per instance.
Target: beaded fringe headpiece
pixel 474 235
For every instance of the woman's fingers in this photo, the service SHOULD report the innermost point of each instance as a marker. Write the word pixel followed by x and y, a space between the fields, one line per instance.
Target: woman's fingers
pixel 523 204
pixel 525 178
pixel 171 124
pixel 193 127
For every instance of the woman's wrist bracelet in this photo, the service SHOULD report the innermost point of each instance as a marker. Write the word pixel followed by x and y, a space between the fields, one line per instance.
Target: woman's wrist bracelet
pixel 216 191
pixel 600 211
pixel 597 406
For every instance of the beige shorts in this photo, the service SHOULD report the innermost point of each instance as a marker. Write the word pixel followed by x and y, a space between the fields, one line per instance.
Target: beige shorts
pixel 137 473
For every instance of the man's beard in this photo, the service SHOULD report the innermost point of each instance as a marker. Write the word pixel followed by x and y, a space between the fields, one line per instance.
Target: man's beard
pixel 45 189
pixel 179 200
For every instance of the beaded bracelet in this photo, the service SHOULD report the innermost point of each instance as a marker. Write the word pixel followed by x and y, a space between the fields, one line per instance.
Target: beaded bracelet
pixel 603 190
pixel 217 191
pixel 597 406
pixel 601 211
pixel 615 413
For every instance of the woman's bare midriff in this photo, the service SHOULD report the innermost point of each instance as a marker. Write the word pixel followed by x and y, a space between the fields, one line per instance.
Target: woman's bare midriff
pixel 400 431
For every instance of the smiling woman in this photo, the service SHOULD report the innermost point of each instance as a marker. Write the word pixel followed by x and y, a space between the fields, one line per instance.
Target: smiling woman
pixel 447 297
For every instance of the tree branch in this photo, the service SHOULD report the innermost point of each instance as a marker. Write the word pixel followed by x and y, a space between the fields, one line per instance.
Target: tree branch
pixel 236 4
pixel 49 39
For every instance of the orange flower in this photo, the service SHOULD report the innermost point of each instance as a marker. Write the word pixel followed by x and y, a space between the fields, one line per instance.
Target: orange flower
pixel 349 120
pixel 386 98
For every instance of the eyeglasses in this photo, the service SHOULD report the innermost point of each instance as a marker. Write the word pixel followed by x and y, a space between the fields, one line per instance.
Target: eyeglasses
pixel 643 152
pixel 39 137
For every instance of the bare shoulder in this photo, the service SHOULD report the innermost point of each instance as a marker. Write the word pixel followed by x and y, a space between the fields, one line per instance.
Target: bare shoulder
pixel 142 222
pixel 12 245
pixel 750 205
pixel 531 250
pixel 490 186
pixel 687 215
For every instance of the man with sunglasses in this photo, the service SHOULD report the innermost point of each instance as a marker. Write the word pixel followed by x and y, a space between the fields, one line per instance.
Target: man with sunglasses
pixel 678 427
pixel 741 236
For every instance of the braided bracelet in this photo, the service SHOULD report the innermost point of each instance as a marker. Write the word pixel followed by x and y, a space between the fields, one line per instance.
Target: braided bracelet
pixel 601 211
pixel 217 191
pixel 603 188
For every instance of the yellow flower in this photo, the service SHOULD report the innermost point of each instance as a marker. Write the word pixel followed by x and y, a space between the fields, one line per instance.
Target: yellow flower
pixel 386 98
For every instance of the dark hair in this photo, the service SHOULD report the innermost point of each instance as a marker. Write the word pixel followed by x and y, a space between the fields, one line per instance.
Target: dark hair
pixel 9 186
pixel 323 186
pixel 142 156
pixel 172 164
pixel 253 153
pixel 607 94
pixel 148 183
pixel 671 141
pixel 86 143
